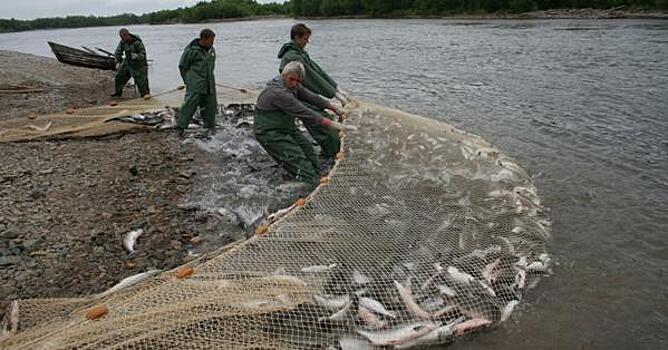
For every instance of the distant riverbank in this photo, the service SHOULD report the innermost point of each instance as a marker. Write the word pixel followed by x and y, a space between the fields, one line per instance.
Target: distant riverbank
pixel 8 26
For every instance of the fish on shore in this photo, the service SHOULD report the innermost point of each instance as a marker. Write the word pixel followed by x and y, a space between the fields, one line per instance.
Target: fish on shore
pixel 126 283
pixel 11 321
pixel 130 240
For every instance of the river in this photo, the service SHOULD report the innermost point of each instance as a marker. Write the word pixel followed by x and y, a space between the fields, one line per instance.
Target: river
pixel 581 104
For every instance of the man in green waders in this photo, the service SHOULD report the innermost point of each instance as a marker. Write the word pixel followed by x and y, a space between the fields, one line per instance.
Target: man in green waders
pixel 315 80
pixel 131 63
pixel 196 66
pixel 278 105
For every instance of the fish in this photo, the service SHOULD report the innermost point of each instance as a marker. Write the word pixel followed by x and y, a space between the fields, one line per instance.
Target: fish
pixel 339 315
pixel 352 343
pixel 430 280
pixel 508 243
pixel 398 336
pixel 438 335
pixel 485 152
pixel 360 278
pixel 444 311
pixel 130 239
pixel 11 321
pixel 432 303
pixel 318 268
pixel 372 321
pixel 500 194
pixel 39 128
pixel 125 283
pixel 413 307
pixel 520 279
pixel 488 271
pixel 459 277
pixel 508 309
pixel 376 307
pixel 487 288
pixel 332 302
pixel 447 291
pixel 538 266
pixel 503 175
pixel 471 325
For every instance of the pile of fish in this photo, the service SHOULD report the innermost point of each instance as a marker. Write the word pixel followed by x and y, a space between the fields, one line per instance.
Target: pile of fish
pixel 419 304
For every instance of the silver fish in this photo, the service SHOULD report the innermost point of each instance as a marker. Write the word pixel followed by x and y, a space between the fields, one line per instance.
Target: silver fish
pixel 332 302
pixel 487 288
pixel 471 325
pixel 125 283
pixel 11 321
pixel 488 271
pixel 459 277
pixel 508 309
pixel 130 239
pixel 398 336
pixel 370 319
pixel 360 278
pixel 318 268
pixel 376 307
pixel 352 343
pixel 438 335
pixel 538 266
pixel 520 279
pixel 339 315
pixel 445 290
pixel 446 310
pixel 413 308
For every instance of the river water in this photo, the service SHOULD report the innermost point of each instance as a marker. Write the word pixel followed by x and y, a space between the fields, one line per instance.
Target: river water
pixel 581 104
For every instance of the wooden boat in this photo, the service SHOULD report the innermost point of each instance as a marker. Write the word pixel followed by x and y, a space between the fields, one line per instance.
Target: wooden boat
pixel 82 58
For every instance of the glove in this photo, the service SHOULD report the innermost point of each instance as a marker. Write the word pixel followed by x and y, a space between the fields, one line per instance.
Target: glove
pixel 118 66
pixel 134 56
pixel 338 126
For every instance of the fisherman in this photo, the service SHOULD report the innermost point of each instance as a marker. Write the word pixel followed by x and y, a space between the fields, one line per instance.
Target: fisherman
pixel 315 80
pixel 196 66
pixel 131 62
pixel 278 105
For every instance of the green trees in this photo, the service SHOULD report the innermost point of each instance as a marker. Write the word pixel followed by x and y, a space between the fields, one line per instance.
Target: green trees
pixel 225 9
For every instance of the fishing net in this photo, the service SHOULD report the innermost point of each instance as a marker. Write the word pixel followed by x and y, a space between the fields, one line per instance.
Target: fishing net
pixel 420 234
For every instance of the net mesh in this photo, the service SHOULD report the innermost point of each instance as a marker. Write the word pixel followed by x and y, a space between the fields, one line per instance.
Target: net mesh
pixel 420 234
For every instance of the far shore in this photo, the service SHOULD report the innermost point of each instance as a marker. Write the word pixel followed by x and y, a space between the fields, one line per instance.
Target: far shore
pixel 575 14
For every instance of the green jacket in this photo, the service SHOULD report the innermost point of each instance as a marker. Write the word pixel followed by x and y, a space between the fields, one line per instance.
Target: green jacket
pixel 125 50
pixel 196 67
pixel 316 79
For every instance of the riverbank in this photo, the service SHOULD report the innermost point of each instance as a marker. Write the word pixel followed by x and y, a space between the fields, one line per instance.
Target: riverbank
pixel 32 84
pixel 587 13
pixel 67 205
